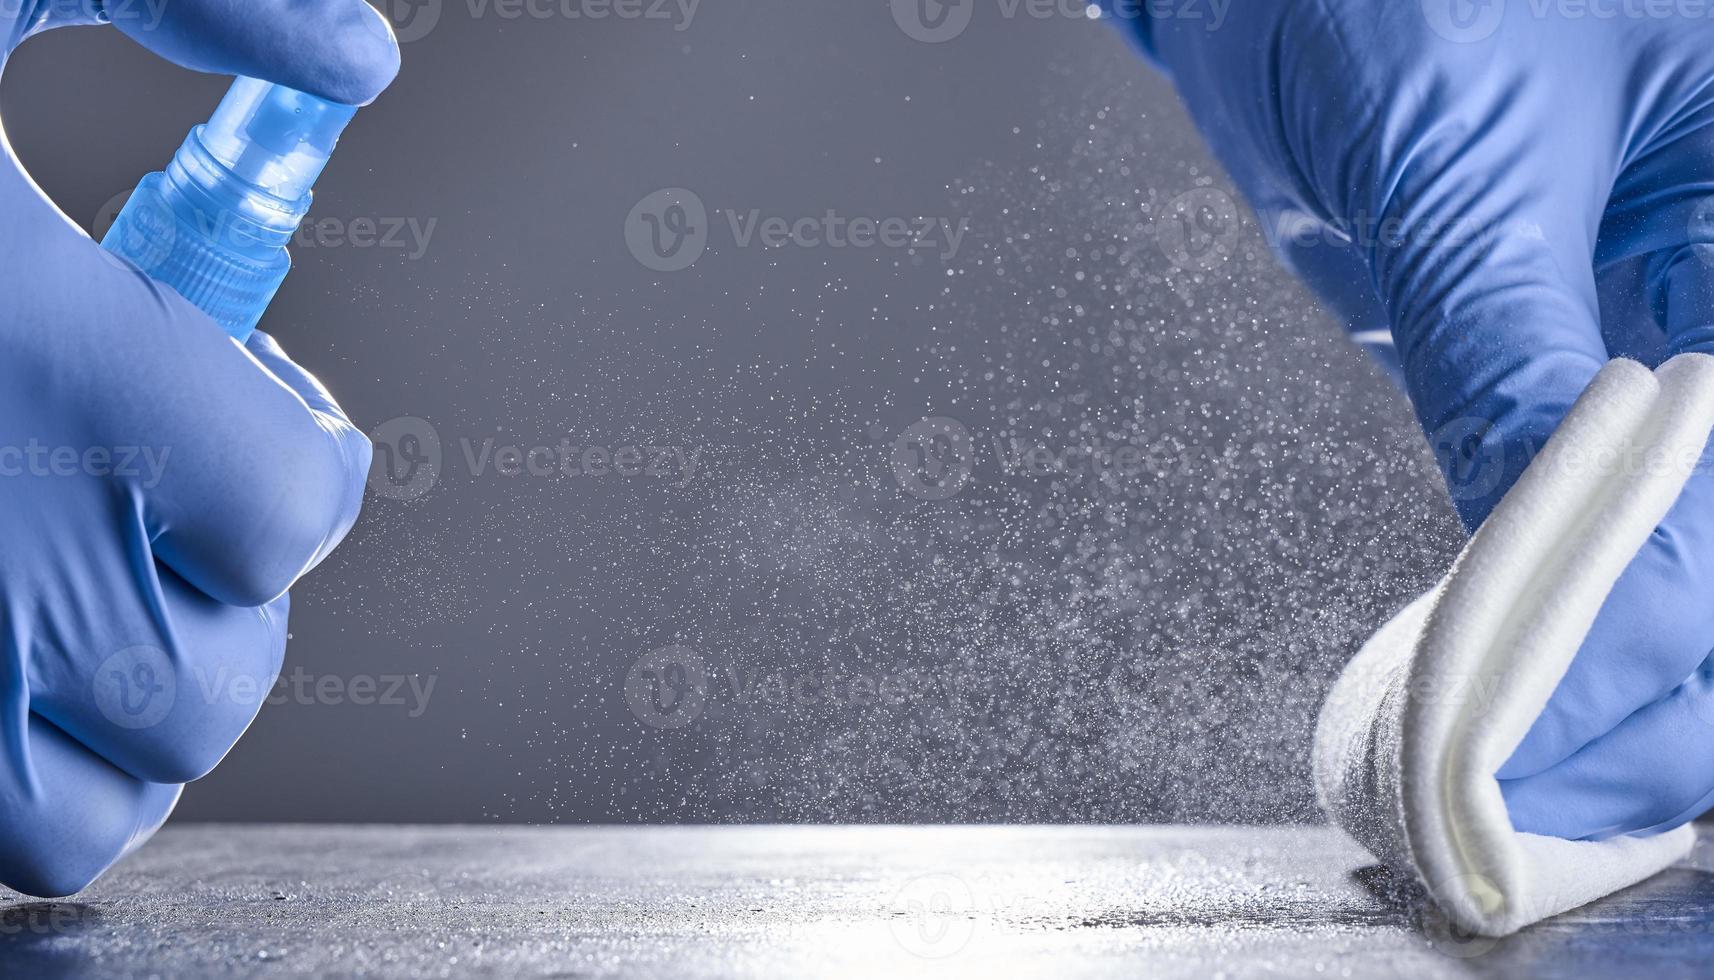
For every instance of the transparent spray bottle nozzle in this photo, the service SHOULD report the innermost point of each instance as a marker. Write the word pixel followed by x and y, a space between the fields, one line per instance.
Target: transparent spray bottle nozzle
pixel 215 223
pixel 276 138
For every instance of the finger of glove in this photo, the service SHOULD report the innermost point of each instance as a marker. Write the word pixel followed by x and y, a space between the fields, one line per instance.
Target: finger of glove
pixel 165 696
pixel 1656 625
pixel 70 814
pixel 1653 772
pixel 244 484
pixel 348 442
pixel 1489 282
pixel 342 50
pixel 266 473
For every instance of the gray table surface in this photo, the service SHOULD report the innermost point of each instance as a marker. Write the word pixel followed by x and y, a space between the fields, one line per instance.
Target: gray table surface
pixel 205 900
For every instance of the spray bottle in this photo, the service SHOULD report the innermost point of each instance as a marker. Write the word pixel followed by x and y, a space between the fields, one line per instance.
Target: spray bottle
pixel 215 224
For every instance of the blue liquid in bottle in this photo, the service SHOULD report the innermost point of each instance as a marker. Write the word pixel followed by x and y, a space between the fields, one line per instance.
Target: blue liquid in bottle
pixel 215 224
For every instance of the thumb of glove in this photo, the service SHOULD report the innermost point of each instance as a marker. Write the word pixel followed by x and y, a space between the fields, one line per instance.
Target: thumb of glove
pixel 342 50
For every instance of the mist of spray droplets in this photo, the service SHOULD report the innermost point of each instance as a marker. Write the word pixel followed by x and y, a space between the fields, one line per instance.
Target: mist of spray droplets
pixel 1146 643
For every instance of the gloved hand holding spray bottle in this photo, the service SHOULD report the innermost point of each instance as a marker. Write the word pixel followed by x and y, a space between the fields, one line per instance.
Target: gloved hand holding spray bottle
pixel 144 590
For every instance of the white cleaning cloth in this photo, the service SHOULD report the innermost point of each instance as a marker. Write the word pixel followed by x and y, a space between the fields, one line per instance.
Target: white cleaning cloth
pixel 1414 730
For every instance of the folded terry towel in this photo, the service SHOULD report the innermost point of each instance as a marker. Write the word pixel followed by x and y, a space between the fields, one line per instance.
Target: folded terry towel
pixel 1419 722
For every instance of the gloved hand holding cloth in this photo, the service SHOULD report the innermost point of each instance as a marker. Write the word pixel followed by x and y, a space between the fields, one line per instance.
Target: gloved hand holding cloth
pixel 1502 198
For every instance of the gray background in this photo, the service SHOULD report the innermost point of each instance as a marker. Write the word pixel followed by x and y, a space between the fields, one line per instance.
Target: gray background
pixel 1146 646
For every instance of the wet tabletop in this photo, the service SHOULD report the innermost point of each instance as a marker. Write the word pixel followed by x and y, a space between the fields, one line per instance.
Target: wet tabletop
pixel 204 900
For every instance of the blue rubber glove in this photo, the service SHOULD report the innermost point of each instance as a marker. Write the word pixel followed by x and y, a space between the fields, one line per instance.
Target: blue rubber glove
pixel 1503 200
pixel 160 486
